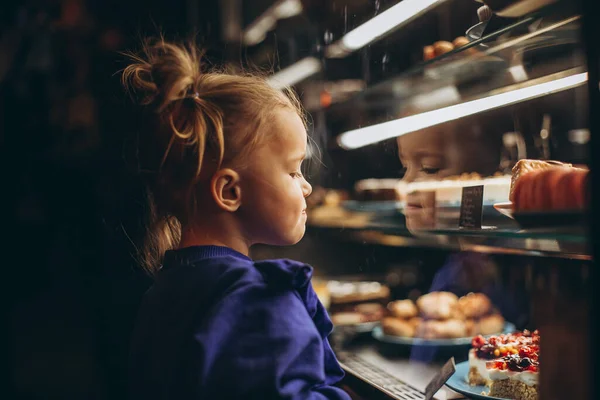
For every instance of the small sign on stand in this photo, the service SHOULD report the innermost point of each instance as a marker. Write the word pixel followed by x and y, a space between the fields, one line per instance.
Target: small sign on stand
pixel 471 207
pixel 440 379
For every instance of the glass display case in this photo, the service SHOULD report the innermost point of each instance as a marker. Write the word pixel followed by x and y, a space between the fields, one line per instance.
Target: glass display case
pixel 450 163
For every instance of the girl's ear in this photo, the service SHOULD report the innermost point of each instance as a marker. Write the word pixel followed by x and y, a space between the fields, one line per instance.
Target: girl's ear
pixel 226 190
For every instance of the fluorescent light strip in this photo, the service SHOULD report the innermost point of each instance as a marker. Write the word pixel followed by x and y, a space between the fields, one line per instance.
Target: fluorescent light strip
pixel 387 130
pixel 295 73
pixel 257 31
pixel 379 25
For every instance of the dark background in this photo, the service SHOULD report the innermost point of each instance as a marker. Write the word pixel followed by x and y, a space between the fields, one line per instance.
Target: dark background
pixel 73 202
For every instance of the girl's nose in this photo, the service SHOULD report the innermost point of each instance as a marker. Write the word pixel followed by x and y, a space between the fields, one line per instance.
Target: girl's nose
pixel 306 188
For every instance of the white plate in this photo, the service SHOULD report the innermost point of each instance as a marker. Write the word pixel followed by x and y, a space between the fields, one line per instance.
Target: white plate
pixel 505 209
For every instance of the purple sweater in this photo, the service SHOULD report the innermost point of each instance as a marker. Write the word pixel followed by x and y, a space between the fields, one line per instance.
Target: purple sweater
pixel 216 325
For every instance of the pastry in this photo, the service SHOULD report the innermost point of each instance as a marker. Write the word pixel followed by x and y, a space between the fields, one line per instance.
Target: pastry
pixel 524 166
pixel 428 53
pixel 356 302
pixel 354 292
pixel 442 315
pixel 449 190
pixel 486 350
pixel 370 312
pixel 397 327
pixel 460 41
pixel 490 324
pixel 415 322
pixel 378 190
pixel 346 318
pixel 474 305
pixel 471 327
pixel 334 198
pixel 437 305
pixel 404 309
pixel 325 197
pixel 446 329
pixel 555 188
pixel 515 376
pixel 442 47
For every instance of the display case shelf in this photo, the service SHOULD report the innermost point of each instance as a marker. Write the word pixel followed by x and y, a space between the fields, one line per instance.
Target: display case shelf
pixel 501 238
pixel 532 51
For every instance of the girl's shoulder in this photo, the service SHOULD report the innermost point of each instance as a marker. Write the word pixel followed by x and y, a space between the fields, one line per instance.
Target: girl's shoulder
pixel 285 273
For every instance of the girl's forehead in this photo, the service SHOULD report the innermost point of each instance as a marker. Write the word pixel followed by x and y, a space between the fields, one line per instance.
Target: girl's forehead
pixel 421 142
pixel 288 129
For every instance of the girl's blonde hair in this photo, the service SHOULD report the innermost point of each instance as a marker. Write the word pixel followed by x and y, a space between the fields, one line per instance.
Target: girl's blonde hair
pixel 195 120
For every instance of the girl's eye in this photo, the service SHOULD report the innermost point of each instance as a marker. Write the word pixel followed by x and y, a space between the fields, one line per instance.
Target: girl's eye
pixel 430 170
pixel 296 174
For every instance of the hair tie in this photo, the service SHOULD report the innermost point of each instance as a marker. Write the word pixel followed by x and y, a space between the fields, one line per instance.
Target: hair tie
pixel 196 95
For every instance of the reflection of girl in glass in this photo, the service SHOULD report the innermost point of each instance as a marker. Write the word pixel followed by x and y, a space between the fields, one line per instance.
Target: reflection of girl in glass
pixel 440 152
pixel 451 149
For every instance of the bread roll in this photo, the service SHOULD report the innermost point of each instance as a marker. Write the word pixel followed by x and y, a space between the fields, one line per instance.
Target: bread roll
pixel 371 312
pixel 397 327
pixel 346 318
pixel 471 327
pixel 490 324
pixel 437 305
pixel 442 47
pixel 460 41
pixel 448 329
pixel 428 53
pixel 404 309
pixel 474 305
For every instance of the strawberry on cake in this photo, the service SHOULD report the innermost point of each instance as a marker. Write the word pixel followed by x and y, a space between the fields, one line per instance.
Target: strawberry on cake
pixel 494 348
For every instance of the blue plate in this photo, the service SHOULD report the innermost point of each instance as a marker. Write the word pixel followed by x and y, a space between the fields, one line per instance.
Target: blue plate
pixel 364 327
pixel 385 207
pixel 408 341
pixel 459 383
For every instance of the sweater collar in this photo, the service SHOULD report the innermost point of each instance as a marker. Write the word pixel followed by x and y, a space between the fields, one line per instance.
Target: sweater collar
pixel 192 254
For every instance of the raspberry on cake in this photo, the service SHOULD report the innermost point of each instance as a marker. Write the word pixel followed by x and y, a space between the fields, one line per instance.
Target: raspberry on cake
pixel 495 347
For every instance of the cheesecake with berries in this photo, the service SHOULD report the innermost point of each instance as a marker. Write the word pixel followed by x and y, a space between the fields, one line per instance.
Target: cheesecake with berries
pixel 486 349
pixel 515 376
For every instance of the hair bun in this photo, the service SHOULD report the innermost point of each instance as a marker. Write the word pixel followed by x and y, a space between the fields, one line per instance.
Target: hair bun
pixel 162 73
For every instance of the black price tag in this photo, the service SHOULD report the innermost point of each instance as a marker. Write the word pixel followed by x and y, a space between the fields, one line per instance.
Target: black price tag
pixel 440 379
pixel 471 207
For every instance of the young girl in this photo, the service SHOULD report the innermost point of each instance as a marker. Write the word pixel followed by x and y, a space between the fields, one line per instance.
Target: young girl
pixel 223 161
